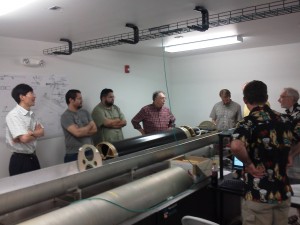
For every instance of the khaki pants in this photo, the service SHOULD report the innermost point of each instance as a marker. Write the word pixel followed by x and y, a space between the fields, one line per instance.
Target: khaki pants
pixel 255 213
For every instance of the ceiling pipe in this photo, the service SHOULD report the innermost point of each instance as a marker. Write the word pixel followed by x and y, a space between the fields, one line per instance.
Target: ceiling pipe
pixel 69 52
pixel 205 20
pixel 135 35
pixel 277 8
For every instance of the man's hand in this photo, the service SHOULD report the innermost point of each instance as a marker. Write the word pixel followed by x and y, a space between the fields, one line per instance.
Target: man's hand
pixel 254 171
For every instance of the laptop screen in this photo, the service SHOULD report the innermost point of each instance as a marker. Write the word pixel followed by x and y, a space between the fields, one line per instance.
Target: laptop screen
pixel 237 164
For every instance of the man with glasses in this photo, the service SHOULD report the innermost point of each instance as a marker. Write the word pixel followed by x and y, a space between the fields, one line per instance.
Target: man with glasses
pixel 22 131
pixel 289 100
pixel 109 118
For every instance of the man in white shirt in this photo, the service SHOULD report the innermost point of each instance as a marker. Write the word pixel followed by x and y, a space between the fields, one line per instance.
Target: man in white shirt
pixel 22 131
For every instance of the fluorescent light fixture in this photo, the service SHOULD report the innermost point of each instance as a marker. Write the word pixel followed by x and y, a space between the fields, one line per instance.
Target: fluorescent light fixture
pixel 204 44
pixel 8 6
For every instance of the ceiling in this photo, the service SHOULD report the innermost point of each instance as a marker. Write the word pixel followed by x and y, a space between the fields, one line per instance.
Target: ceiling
pixel 79 21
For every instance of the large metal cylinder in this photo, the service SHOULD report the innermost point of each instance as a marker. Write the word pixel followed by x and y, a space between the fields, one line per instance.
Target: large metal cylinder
pixel 130 145
pixel 107 208
pixel 33 187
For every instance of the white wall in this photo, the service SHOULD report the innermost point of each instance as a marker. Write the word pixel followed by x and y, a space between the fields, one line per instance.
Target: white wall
pixel 90 72
pixel 197 80
pixel 194 81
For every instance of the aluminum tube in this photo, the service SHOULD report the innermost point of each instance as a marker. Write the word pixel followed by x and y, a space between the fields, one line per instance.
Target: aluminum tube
pixel 30 188
pixel 141 194
pixel 130 145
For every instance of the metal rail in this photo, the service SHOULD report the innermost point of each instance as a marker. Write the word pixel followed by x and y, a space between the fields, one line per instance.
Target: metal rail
pixel 277 8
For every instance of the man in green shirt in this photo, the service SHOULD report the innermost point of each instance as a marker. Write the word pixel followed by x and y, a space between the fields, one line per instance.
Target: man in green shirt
pixel 108 118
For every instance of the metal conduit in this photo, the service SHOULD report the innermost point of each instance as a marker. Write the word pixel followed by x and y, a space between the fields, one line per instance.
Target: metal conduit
pixel 130 145
pixel 30 188
pixel 136 195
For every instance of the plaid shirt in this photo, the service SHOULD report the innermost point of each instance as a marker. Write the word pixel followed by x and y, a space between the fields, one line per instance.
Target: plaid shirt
pixel 153 119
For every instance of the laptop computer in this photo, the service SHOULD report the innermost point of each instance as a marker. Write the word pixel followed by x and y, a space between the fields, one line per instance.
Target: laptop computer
pixel 237 164
pixel 233 184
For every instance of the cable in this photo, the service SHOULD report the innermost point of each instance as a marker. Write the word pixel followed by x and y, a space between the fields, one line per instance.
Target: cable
pixel 131 210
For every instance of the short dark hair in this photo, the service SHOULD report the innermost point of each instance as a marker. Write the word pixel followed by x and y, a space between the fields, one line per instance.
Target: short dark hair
pixel 105 92
pixel 20 89
pixel 256 92
pixel 72 93
pixel 225 93
pixel 156 93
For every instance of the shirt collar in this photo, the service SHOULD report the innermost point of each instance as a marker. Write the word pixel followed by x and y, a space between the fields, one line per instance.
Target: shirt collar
pixel 24 111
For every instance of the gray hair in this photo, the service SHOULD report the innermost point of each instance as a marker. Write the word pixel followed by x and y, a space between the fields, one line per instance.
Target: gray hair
pixel 156 93
pixel 292 93
pixel 225 93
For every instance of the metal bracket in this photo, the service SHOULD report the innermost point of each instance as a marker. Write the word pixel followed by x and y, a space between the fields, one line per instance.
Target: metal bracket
pixel 205 23
pixel 70 48
pixel 135 35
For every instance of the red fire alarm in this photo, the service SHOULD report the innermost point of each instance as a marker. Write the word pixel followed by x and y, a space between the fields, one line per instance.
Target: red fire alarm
pixel 127 69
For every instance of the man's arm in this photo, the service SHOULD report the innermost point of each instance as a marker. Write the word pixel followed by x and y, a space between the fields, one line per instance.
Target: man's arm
pixel 25 138
pixel 295 150
pixel 85 131
pixel 239 113
pixel 38 131
pixel 114 123
pixel 214 121
pixel 239 150
pixel 172 120
pixel 20 132
pixel 213 115
pixel 31 135
pixel 93 128
pixel 136 122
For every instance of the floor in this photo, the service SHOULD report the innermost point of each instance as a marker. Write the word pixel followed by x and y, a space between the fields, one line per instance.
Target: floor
pixel 293 217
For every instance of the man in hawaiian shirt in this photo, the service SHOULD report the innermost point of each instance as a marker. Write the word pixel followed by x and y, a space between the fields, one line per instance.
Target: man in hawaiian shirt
pixel 262 141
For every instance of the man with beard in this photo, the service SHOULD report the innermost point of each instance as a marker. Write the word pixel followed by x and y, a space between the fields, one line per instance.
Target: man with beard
pixel 226 113
pixel 77 125
pixel 155 117
pixel 22 131
pixel 108 118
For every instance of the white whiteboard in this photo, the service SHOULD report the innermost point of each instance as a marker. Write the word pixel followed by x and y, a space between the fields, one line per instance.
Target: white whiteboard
pixel 50 101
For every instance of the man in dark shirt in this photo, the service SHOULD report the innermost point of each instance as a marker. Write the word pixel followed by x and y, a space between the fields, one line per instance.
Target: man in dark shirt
pixel 262 141
pixel 155 117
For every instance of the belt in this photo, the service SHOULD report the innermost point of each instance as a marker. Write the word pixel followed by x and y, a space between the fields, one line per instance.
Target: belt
pixel 24 154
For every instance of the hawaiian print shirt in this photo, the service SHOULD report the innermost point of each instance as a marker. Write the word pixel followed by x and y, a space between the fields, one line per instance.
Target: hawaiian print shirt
pixel 268 137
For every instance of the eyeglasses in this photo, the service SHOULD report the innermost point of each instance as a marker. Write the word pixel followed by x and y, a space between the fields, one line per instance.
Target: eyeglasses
pixel 284 96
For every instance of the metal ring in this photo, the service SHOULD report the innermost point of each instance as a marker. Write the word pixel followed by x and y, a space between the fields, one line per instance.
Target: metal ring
pixel 191 130
pixel 185 130
pixel 86 160
pixel 107 149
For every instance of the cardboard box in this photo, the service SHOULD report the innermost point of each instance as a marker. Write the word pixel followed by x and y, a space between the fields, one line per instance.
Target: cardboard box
pixel 195 165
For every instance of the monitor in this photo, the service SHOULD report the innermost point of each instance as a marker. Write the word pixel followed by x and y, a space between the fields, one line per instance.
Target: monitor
pixel 237 164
